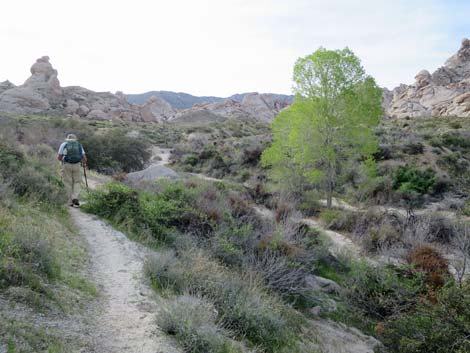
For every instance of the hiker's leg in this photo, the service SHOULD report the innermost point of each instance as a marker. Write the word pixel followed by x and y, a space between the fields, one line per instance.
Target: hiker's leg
pixel 77 180
pixel 68 181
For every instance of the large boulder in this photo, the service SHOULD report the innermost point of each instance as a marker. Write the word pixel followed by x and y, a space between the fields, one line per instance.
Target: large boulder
pixel 97 114
pixel 157 109
pixel 150 174
pixel 71 107
pixel 261 106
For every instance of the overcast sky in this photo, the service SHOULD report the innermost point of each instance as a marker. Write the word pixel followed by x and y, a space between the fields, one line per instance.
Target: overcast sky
pixel 221 47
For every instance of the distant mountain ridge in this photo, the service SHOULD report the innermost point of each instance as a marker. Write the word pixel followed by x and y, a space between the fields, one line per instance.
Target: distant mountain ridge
pixel 181 100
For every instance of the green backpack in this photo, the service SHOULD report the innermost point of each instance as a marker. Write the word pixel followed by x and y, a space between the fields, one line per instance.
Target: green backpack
pixel 74 152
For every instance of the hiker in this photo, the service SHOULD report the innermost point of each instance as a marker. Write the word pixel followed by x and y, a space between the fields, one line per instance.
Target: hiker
pixel 72 154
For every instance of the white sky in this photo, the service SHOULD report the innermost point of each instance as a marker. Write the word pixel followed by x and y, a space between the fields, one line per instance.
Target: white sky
pixel 221 47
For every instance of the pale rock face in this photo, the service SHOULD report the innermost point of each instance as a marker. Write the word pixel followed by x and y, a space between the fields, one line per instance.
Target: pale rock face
pixel 157 109
pixel 44 77
pixel 443 93
pixel 39 93
pixel 23 100
pixel 261 106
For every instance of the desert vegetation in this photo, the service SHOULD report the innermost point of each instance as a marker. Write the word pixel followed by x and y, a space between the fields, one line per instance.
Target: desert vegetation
pixel 250 262
pixel 42 261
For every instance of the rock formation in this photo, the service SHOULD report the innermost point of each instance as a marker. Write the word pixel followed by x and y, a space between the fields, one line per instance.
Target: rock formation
pixel 157 109
pixel 39 93
pixel 262 107
pixel 42 93
pixel 445 92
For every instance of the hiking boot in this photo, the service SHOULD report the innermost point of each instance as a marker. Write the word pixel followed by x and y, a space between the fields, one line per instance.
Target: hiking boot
pixel 75 203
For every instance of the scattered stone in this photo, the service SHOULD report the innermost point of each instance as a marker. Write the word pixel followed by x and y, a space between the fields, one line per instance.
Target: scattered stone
pixel 322 284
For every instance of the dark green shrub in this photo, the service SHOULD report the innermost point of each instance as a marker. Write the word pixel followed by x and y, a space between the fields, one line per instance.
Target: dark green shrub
pixel 384 152
pixel 115 152
pixel 410 180
pixel 441 327
pixel 413 148
pixel 455 125
pixel 191 159
pixel 456 139
pixel 383 292
pixel 251 156
pixel 466 209
pixel 140 212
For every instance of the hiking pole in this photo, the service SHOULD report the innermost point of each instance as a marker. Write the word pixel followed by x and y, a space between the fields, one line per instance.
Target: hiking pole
pixel 86 180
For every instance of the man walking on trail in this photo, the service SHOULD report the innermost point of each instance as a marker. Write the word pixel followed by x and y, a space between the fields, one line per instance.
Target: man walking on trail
pixel 72 155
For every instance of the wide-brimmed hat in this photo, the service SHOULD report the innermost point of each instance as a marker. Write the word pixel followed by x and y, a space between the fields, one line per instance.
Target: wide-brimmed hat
pixel 71 137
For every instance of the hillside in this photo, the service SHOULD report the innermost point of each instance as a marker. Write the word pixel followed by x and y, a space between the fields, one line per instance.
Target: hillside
pixel 180 100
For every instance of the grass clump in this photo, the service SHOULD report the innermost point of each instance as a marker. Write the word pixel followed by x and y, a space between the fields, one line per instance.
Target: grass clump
pixel 193 322
pixel 243 306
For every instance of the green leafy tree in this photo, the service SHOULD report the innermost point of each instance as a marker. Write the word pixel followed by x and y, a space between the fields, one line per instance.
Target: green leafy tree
pixel 331 122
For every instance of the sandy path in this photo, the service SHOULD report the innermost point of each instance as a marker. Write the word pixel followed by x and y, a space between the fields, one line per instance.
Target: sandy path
pixel 160 156
pixel 126 323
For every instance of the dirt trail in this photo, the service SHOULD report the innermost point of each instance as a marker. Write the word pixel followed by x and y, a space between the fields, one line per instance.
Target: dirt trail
pixel 160 156
pixel 126 323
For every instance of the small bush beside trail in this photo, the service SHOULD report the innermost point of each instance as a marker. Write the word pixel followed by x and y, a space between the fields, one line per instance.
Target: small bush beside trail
pixel 193 322
pixel 243 306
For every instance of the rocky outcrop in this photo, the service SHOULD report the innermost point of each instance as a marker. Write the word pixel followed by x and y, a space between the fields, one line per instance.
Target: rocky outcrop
pixel 39 93
pixel 262 107
pixel 152 173
pixel 157 109
pixel 42 93
pixel 442 93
